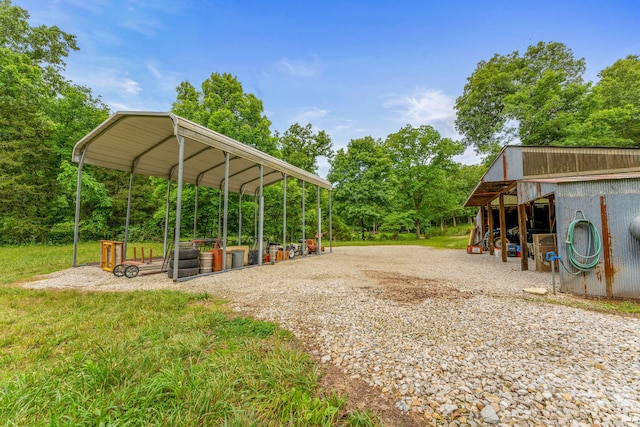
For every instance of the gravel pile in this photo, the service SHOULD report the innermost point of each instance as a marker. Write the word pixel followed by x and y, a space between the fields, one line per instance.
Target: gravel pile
pixel 448 336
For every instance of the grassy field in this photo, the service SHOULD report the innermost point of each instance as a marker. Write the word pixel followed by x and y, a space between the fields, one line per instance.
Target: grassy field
pixel 152 358
pixel 22 262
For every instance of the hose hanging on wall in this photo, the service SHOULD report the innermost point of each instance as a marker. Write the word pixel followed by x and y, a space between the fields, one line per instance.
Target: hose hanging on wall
pixel 588 260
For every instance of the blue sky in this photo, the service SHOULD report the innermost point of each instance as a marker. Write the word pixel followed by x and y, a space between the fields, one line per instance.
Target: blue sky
pixel 351 68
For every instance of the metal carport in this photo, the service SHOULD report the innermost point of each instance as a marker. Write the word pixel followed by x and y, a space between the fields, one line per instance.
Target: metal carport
pixel 164 145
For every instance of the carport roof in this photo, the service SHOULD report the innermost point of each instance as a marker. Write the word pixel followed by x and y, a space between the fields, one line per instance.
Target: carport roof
pixel 147 144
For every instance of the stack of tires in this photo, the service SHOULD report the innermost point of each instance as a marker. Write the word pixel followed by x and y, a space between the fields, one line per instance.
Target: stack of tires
pixel 188 264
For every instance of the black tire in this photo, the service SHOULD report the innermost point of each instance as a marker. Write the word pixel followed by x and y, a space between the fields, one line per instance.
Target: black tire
pixel 119 270
pixel 183 272
pixel 185 263
pixel 187 254
pixel 131 271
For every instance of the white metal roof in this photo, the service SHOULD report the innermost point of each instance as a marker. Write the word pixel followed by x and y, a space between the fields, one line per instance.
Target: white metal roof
pixel 148 141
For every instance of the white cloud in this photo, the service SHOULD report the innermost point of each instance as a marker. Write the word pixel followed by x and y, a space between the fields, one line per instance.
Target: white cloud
pixel 299 68
pixel 310 115
pixel 425 107
pixel 165 80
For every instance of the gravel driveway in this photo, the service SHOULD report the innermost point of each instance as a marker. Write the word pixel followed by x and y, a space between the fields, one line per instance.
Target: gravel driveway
pixel 450 337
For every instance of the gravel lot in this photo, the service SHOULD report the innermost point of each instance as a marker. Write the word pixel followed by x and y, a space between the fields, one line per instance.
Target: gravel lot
pixel 450 337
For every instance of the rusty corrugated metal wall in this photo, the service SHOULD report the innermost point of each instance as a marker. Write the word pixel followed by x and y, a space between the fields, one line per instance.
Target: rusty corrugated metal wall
pixel 610 205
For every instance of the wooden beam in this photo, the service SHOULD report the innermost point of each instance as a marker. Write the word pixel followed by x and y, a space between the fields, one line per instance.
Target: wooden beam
pixel 522 230
pixel 503 229
pixel 490 215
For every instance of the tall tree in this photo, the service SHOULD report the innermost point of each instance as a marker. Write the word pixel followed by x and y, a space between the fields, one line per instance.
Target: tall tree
pixel 222 105
pixel 611 116
pixel 27 160
pixel 301 147
pixel 530 97
pixel 361 176
pixel 41 116
pixel 421 159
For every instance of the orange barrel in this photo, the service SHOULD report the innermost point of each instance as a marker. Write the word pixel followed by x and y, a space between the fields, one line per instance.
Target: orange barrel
pixel 217 259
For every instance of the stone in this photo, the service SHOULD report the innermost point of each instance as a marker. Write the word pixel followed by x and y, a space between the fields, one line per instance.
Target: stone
pixel 536 291
pixel 400 404
pixel 489 415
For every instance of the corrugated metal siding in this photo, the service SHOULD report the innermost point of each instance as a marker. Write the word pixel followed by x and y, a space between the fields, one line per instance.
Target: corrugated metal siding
pixel 610 205
pixel 566 161
pixel 529 191
pixel 507 167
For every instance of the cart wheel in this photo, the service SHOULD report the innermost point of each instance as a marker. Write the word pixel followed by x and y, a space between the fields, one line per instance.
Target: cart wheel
pixel 131 271
pixel 119 270
pixel 292 253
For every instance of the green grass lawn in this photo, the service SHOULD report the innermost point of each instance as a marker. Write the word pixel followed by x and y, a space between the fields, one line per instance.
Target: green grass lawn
pixel 23 262
pixel 152 358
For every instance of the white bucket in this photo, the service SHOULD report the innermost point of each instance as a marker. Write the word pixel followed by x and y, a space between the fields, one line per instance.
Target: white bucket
pixel 497 252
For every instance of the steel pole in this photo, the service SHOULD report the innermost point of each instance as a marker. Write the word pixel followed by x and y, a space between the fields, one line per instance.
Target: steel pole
pixel 128 217
pixel 226 208
pixel 76 227
pixel 176 244
pixel 284 217
pixel 319 248
pixel 330 224
pixel 261 217
pixel 195 214
pixel 166 218
pixel 304 237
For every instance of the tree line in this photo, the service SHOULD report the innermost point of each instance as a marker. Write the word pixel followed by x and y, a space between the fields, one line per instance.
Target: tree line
pixel 407 182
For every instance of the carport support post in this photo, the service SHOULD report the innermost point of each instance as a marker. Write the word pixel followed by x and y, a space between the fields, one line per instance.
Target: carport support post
pixel 219 212
pixel 261 217
pixel 319 248
pixel 503 230
pixel 330 224
pixel 240 219
pixel 284 216
pixel 166 217
pixel 128 217
pixel 76 226
pixel 304 237
pixel 195 212
pixel 522 231
pixel 224 215
pixel 176 244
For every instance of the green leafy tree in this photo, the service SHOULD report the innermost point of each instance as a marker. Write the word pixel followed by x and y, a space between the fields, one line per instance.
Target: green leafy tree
pixel 611 116
pixel 45 46
pixel 422 159
pixel 25 169
pixel 361 176
pixel 532 97
pixel 222 105
pixel 301 147
pixel 41 116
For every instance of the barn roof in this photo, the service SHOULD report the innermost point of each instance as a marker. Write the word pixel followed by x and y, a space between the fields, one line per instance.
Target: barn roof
pixel 540 164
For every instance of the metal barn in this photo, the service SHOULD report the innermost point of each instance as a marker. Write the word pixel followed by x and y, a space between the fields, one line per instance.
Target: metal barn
pixel 585 200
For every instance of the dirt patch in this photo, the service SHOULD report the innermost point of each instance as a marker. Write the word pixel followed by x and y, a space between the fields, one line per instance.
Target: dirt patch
pixel 365 398
pixel 411 289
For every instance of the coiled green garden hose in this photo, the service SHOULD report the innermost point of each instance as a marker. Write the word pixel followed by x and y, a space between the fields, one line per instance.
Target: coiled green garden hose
pixel 588 261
